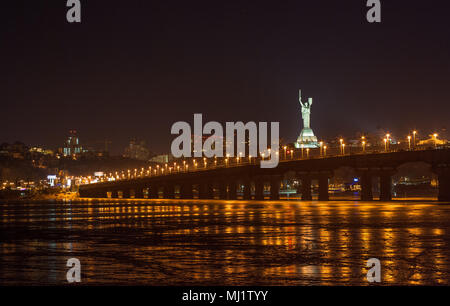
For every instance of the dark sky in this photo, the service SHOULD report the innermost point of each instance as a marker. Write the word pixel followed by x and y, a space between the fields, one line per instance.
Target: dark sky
pixel 133 68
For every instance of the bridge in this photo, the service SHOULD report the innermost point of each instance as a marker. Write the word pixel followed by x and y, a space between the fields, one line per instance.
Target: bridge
pixel 221 181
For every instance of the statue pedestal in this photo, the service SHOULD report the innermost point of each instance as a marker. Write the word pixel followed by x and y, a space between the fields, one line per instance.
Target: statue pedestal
pixel 307 139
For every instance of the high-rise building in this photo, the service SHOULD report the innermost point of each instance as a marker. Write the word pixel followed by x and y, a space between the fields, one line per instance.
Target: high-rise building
pixel 137 150
pixel 72 145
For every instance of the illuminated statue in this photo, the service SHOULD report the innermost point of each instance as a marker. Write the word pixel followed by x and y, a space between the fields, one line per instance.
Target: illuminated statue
pixel 306 110
pixel 306 138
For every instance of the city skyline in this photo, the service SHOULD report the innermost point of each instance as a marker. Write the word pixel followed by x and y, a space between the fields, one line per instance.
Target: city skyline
pixel 232 62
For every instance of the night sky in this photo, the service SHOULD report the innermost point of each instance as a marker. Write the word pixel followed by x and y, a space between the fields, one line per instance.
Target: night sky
pixel 133 68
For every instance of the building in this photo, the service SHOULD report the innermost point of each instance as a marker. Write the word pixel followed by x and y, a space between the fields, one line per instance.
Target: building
pixel 433 141
pixel 72 145
pixel 161 159
pixel 137 150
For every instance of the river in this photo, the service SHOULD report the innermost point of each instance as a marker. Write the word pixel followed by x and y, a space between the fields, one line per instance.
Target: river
pixel 213 242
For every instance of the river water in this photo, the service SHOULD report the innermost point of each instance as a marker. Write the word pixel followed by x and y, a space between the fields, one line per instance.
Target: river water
pixel 213 242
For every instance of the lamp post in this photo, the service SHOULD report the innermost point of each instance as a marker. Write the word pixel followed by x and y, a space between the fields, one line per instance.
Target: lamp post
pixel 284 148
pixel 388 140
pixel 435 135
pixel 364 146
pixel 324 150
pixel 409 142
pixel 414 139
pixel 343 149
pixel 321 148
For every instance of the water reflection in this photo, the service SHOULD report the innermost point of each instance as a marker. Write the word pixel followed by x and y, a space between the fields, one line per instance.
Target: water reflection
pixel 174 242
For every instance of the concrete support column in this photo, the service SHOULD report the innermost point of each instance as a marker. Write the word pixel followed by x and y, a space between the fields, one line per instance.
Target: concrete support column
pixel 366 186
pixel 275 182
pixel 306 188
pixel 222 191
pixel 139 192
pixel 202 194
pixel 444 187
pixel 153 192
pixel 386 185
pixel 232 192
pixel 209 190
pixel 206 190
pixel 259 189
pixel 247 189
pixel 443 173
pixel 186 191
pixel 323 187
pixel 169 192
pixel 126 193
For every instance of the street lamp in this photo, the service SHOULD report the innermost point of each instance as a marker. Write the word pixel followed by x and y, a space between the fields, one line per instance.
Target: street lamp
pixel 435 135
pixel 343 149
pixel 414 138
pixel 409 142
pixel 388 140
pixel 284 148
pixel 307 153
pixel 385 145
pixel 364 146
pixel 321 147
pixel 324 150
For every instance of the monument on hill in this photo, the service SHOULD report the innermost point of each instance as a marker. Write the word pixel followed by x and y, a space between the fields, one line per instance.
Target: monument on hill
pixel 306 138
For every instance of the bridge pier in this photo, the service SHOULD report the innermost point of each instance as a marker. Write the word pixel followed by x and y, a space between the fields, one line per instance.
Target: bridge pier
pixel 126 193
pixel 222 186
pixel 186 191
pixel 202 194
pixel 113 193
pixel 275 182
pixel 323 186
pixel 247 189
pixel 232 192
pixel 168 192
pixel 443 173
pixel 306 187
pixel 206 190
pixel 153 192
pixel 139 192
pixel 366 185
pixel 259 189
pixel 386 185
